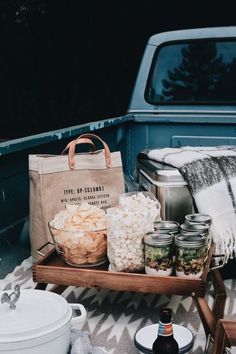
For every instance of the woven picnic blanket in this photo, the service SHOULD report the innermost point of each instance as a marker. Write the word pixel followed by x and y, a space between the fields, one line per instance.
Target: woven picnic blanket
pixel 211 176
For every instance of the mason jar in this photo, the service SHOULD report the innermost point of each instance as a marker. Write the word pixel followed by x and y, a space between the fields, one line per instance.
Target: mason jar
pixel 158 253
pixel 188 228
pixel 199 218
pixel 166 226
pixel 190 255
pixel 196 228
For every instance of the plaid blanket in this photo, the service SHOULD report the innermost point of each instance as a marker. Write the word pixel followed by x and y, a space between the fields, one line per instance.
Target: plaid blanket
pixel 211 176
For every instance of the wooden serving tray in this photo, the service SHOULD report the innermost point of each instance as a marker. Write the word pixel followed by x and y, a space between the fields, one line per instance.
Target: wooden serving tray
pixel 52 269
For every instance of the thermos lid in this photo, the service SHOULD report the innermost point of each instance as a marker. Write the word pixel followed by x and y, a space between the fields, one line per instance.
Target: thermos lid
pixel 144 338
pixel 160 172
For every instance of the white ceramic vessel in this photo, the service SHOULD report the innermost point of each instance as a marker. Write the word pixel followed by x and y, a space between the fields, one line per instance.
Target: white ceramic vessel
pixel 40 323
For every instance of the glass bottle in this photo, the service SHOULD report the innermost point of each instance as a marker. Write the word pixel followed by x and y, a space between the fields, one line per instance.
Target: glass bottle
pixel 165 342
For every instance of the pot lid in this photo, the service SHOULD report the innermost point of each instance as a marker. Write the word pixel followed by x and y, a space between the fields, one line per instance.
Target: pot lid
pixel 144 338
pixel 37 313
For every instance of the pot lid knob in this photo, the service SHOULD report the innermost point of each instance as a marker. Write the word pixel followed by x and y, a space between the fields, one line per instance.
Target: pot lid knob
pixel 11 298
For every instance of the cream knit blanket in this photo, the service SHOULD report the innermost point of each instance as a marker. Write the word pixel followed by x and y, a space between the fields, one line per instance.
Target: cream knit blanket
pixel 211 176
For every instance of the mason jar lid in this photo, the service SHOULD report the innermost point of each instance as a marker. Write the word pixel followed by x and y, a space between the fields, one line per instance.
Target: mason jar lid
pixel 158 239
pixel 199 218
pixel 194 227
pixel 194 241
pixel 37 313
pixel 192 233
pixel 166 225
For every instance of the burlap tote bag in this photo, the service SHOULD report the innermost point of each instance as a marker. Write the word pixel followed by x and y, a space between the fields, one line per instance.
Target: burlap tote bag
pixel 56 180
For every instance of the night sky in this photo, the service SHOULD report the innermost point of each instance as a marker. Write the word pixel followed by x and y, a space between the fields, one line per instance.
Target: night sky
pixel 66 62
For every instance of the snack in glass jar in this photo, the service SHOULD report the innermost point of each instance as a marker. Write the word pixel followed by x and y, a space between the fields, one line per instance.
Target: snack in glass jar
pixel 128 222
pixel 141 200
pixel 79 233
pixel 158 251
pixel 190 255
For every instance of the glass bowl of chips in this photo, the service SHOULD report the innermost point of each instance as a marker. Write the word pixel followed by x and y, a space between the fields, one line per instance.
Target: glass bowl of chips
pixel 80 235
pixel 80 248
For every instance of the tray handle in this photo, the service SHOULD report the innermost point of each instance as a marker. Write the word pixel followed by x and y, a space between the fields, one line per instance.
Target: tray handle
pixel 214 265
pixel 39 249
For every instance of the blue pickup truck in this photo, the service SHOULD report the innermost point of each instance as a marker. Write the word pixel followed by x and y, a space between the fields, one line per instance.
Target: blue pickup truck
pixel 185 94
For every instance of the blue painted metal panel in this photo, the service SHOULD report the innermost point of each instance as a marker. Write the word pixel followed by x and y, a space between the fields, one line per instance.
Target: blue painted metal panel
pixel 178 140
pixel 68 133
pixel 193 33
pixel 148 132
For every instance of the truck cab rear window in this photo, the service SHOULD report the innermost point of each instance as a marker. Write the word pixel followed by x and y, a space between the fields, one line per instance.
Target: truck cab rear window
pixel 199 72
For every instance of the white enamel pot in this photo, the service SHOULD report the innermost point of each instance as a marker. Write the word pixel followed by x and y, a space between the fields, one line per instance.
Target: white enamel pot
pixel 40 322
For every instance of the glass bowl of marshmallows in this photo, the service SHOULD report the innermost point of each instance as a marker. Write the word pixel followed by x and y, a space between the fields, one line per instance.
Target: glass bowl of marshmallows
pixel 79 233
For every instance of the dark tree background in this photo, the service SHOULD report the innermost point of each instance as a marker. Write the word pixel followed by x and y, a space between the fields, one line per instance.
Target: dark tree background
pixel 199 75
pixel 66 62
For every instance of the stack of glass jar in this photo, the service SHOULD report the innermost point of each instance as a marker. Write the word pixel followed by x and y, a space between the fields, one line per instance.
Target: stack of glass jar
pixel 199 223
pixel 180 248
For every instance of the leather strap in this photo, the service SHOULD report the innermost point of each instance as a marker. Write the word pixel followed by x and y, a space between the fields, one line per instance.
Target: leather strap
pixel 71 147
pixel 86 139
pixel 106 148
pixel 79 141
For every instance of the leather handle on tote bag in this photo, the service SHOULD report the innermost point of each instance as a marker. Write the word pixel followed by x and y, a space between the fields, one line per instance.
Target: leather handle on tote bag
pixel 79 141
pixel 71 147
pixel 88 137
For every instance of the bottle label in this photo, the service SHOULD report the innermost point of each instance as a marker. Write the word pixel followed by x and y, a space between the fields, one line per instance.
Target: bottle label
pixel 165 329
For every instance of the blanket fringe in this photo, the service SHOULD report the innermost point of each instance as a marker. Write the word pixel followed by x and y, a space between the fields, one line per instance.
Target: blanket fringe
pixel 225 240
